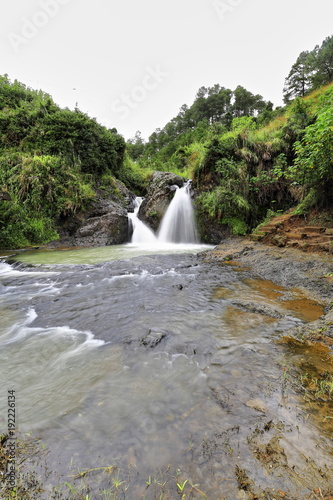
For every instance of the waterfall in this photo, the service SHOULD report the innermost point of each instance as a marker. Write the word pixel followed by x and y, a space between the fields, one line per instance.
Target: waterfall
pixel 177 226
pixel 141 232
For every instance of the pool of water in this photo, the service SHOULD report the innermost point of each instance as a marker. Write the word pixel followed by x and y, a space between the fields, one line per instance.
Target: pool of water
pixel 153 360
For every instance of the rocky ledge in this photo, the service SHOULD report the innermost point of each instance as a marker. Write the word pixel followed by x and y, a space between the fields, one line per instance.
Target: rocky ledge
pixel 104 222
pixel 311 274
pixel 159 195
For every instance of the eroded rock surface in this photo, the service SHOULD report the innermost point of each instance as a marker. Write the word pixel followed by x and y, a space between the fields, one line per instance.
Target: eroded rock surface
pixel 159 195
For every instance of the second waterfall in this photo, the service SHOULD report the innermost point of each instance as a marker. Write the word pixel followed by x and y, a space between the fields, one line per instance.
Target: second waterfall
pixel 177 226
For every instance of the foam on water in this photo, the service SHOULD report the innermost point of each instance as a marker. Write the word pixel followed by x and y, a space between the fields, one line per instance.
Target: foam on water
pixel 6 270
pixel 22 331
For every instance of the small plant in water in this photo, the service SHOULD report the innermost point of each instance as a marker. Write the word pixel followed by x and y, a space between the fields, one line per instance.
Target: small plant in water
pixel 117 482
pixel 181 486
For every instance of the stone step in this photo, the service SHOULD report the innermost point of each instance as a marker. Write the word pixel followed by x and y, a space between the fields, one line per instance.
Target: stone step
pixel 317 236
pixel 313 229
pixel 325 237
pixel 292 243
pixel 327 246
pixel 310 245
pixel 269 227
pixel 329 231
pixel 318 246
pixel 295 236
pixel 313 238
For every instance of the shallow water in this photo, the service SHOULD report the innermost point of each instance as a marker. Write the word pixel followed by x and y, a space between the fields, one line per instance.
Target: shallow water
pixel 96 255
pixel 154 360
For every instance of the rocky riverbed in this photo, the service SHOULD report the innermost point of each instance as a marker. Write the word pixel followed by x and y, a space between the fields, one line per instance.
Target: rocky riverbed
pixel 201 372
pixel 311 273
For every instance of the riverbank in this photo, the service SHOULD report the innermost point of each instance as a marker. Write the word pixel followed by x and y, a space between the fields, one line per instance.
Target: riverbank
pixel 310 274
pixel 208 380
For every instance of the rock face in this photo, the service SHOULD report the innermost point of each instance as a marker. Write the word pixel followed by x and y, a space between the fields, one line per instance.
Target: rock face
pixel 210 230
pixel 105 222
pixel 158 198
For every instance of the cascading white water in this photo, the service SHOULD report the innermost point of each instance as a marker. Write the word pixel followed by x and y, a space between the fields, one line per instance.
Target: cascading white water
pixel 177 226
pixel 141 232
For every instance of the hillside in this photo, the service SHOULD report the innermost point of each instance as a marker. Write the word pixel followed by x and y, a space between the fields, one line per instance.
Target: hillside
pixel 248 161
pixel 51 162
pixel 257 167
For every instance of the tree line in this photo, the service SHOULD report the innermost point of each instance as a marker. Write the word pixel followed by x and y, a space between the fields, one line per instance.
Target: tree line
pixel 312 70
pixel 212 105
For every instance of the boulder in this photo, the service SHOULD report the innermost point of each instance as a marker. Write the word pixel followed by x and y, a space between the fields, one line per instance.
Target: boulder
pixel 109 227
pixel 104 222
pixel 159 195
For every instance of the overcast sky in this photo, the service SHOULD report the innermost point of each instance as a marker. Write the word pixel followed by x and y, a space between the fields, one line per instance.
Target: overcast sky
pixel 131 64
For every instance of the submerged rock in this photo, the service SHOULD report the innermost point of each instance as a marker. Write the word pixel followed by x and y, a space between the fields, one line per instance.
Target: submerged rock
pixel 254 307
pixel 152 339
pixel 258 405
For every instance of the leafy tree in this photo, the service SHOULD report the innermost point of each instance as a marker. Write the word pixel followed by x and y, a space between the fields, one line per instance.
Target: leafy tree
pixel 298 82
pixel 30 122
pixel 136 146
pixel 82 141
pixel 323 63
pixel 247 104
pixel 310 71
pixel 313 165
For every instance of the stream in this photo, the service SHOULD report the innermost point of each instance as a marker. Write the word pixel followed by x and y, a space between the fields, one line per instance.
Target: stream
pixel 155 360
pixel 147 372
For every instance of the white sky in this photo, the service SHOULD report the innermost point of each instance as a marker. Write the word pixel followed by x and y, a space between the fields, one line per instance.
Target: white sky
pixel 132 64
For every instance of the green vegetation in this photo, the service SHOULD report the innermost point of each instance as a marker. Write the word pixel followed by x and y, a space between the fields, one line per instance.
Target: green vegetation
pixel 245 158
pixel 311 71
pixel 111 482
pixel 51 160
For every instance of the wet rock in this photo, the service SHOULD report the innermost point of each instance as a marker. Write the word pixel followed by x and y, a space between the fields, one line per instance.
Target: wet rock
pixel 221 399
pixel 5 196
pixel 210 230
pixel 159 195
pixel 279 240
pixel 105 222
pixel 179 287
pixel 257 404
pixel 258 308
pixel 152 339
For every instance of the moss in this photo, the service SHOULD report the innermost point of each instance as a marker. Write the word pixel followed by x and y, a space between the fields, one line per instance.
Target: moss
pixel 238 226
